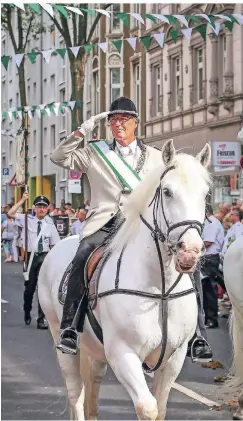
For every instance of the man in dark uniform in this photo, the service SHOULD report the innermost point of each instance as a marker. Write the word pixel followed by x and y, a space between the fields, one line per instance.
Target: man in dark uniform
pixel 39 225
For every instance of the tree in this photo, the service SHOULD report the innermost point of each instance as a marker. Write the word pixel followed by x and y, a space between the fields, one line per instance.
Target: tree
pixel 27 25
pixel 79 35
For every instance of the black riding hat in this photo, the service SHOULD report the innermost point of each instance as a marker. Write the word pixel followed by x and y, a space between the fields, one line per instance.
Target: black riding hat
pixel 123 105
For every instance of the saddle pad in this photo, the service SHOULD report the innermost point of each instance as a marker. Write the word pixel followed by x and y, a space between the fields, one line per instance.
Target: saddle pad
pixel 62 291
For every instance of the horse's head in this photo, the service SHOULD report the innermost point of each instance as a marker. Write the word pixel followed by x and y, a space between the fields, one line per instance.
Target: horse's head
pixel 179 204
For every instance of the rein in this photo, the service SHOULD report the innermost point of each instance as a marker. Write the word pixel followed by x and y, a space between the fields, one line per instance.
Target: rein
pixel 165 296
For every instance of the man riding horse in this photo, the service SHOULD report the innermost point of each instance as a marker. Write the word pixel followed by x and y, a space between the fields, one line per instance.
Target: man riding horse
pixel 112 170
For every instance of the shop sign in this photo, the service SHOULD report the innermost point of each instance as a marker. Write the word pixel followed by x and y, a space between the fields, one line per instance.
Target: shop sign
pixel 226 154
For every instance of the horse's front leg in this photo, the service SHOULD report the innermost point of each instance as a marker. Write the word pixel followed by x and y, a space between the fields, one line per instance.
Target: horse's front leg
pixel 128 370
pixel 92 372
pixel 165 377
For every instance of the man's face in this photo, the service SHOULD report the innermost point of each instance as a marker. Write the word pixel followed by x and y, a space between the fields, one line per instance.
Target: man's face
pixel 40 211
pixel 82 215
pixel 123 128
pixel 68 207
pixel 234 216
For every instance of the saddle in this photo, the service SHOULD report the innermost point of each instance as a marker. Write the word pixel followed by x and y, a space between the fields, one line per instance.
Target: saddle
pixel 91 277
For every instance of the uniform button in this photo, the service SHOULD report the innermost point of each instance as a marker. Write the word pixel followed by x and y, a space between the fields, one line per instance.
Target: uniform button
pixel 121 204
pixel 112 214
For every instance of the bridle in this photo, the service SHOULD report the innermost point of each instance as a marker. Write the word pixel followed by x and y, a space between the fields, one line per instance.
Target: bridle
pixel 158 236
pixel 165 296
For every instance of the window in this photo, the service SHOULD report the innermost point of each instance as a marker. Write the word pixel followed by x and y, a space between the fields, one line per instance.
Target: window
pixel 96 92
pixel 63 114
pixel 45 140
pixel 28 94
pixel 52 32
pixel 175 83
pixel 34 142
pixel 34 93
pixel 115 20
pixel 115 84
pixel 10 103
pixel 10 151
pixel 97 26
pixel 17 100
pixel 134 22
pixel 222 62
pixel 199 74
pixel 53 137
pixel 136 85
pixel 3 94
pixel 45 93
pixel 52 91
pixel 158 89
pixel 63 63
pixel 4 47
pixel 10 68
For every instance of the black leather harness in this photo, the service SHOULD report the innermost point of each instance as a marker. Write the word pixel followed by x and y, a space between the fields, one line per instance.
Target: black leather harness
pixel 165 296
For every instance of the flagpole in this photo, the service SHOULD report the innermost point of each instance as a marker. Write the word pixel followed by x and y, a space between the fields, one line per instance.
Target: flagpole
pixel 26 167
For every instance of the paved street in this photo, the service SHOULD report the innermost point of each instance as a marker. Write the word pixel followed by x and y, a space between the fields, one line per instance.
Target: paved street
pixel 32 385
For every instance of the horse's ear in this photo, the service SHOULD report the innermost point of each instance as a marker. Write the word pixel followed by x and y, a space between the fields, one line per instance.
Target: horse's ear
pixel 204 157
pixel 168 152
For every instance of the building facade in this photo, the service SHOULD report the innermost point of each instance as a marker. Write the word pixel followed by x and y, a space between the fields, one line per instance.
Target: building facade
pixel 191 91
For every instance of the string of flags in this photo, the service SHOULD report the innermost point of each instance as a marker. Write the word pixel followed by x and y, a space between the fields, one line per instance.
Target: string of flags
pixel 170 19
pixel 145 40
pixel 41 110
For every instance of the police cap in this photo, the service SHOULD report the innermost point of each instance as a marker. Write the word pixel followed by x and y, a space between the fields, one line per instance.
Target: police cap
pixel 41 200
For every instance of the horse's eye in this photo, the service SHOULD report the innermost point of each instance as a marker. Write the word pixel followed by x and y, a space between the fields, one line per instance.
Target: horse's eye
pixel 167 192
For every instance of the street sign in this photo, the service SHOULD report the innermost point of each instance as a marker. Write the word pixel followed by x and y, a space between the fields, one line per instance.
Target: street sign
pixel 5 175
pixel 74 186
pixel 74 175
pixel 225 154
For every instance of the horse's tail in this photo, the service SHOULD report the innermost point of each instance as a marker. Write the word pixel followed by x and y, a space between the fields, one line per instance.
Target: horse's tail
pixel 236 333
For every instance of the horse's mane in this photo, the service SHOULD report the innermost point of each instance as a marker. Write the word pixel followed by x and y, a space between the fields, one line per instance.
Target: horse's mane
pixel 190 170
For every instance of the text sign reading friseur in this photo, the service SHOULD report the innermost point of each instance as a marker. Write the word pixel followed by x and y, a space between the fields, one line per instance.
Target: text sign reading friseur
pixel 62 224
pixel 225 154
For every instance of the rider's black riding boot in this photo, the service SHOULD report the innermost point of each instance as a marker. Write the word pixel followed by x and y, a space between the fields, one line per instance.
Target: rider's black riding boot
pixel 76 299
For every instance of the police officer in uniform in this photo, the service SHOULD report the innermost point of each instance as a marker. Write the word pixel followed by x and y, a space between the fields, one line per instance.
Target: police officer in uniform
pixel 49 237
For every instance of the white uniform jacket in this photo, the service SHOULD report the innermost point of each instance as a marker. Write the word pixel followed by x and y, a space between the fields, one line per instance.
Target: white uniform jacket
pixel 107 193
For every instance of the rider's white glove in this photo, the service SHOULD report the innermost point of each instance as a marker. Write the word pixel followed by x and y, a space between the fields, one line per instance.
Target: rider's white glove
pixel 89 125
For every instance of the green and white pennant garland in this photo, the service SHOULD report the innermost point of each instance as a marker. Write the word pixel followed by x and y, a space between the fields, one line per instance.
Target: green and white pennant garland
pixel 40 110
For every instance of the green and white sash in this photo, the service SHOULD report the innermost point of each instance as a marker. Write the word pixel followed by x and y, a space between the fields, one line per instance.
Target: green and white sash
pixel 122 170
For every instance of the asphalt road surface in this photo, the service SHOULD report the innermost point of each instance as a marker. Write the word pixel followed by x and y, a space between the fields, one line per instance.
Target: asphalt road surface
pixel 33 387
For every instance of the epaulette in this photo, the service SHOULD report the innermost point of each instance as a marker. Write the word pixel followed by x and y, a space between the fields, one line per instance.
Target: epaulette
pixel 48 220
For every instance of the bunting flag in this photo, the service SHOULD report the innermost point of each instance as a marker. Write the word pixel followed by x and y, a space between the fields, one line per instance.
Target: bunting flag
pixel 41 110
pixel 65 11
pixel 200 20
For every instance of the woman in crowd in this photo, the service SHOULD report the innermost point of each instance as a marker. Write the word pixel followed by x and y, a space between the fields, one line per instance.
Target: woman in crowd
pixel 8 229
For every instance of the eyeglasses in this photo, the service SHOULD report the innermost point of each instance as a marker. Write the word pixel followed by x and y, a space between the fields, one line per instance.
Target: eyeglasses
pixel 121 120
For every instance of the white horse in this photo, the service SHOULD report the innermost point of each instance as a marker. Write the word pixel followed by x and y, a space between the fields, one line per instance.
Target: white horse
pixel 134 324
pixel 233 277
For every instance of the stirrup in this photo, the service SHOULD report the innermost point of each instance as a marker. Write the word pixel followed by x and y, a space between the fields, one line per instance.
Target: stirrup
pixel 69 329
pixel 201 360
